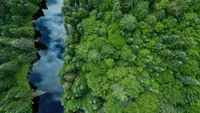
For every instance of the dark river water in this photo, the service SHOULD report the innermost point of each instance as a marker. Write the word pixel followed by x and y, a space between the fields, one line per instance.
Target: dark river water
pixel 44 74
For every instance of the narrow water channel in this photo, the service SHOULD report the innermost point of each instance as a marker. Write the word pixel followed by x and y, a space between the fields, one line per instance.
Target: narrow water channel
pixel 44 74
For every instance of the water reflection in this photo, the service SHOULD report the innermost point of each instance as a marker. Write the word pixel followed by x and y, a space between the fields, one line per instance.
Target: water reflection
pixel 43 75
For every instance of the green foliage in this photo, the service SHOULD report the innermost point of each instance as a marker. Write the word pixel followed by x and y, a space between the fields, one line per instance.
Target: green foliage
pixel 108 17
pixel 132 56
pixel 105 5
pixel 171 94
pixel 109 62
pixel 167 108
pixel 113 105
pixel 159 27
pixel 23 32
pixel 24 44
pixel 162 4
pixel 17 52
pixel 169 22
pixel 140 10
pixel 176 8
pixel 127 23
pixel 146 103
pixel 9 66
pixel 94 55
pixel 151 19
pixel 116 41
pixel 118 92
pixel 132 86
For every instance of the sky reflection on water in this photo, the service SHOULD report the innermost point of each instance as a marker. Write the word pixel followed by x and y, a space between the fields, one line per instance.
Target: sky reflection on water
pixel 44 74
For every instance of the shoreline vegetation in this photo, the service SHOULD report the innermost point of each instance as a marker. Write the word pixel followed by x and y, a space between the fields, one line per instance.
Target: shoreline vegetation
pixel 131 57
pixel 18 53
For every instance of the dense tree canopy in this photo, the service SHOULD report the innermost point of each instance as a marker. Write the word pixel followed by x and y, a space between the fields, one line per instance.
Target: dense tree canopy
pixel 17 52
pixel 131 56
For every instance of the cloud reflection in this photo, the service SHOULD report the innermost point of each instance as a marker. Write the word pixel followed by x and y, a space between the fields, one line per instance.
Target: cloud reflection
pixel 44 74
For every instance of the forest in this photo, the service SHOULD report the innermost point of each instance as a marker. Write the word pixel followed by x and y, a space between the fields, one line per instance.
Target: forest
pixel 131 56
pixel 121 56
pixel 17 53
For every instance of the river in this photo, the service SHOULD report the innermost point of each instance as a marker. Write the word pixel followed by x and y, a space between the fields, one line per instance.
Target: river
pixel 44 74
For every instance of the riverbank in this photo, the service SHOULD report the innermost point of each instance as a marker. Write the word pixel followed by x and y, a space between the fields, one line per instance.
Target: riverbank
pixel 38 46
